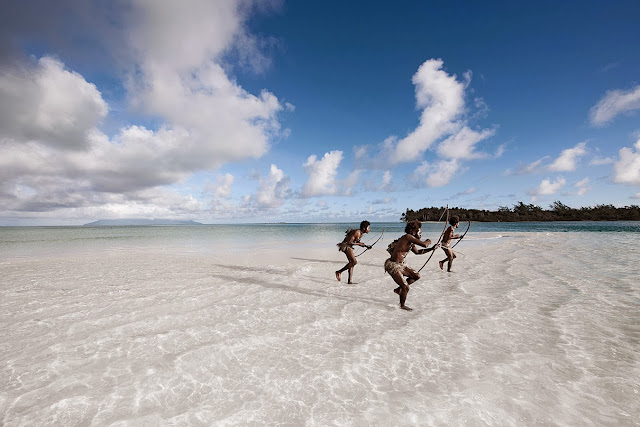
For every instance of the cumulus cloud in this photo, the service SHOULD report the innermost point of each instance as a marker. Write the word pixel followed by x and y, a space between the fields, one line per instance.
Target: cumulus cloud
pixel 54 156
pixel 440 99
pixel 47 103
pixel 222 186
pixel 627 167
pixel 189 88
pixel 568 158
pixel 462 144
pixel 613 103
pixel 547 187
pixel 322 174
pixel 582 186
pixel 440 96
pixel 273 190
pixel 135 160
pixel 436 174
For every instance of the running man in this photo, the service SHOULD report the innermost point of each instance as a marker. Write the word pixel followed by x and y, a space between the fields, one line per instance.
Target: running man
pixel 351 239
pixel 399 249
pixel 448 236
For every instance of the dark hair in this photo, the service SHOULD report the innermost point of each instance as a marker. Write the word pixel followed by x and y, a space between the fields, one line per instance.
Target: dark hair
pixel 364 225
pixel 413 227
pixel 454 220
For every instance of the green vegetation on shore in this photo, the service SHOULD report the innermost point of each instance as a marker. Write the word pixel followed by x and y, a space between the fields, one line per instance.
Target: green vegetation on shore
pixel 521 212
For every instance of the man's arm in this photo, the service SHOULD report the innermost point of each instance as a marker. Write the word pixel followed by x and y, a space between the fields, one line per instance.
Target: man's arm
pixel 424 251
pixel 418 242
pixel 357 235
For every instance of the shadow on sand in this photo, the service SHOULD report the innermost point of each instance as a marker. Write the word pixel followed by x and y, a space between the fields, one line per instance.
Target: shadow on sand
pixel 335 262
pixel 288 288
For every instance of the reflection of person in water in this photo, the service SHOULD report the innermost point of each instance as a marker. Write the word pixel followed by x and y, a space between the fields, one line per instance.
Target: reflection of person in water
pixel 351 239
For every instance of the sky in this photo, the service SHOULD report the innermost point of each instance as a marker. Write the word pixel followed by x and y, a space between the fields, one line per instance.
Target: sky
pixel 239 111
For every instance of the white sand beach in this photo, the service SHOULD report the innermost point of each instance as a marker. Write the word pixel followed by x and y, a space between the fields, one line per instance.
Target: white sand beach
pixel 528 329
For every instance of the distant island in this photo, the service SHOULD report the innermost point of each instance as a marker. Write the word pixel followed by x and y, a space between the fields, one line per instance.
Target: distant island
pixel 133 221
pixel 557 211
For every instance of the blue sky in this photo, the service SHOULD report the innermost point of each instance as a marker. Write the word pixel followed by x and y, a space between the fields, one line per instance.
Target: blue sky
pixel 240 111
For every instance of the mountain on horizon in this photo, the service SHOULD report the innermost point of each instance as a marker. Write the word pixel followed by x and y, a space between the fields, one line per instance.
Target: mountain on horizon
pixel 134 221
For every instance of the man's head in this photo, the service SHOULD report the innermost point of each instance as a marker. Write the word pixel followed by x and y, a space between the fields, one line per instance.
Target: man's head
pixel 454 220
pixel 413 227
pixel 364 226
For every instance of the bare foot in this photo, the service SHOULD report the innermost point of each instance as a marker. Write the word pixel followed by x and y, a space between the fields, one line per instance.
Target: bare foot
pixel 338 276
pixel 351 283
pixel 397 290
pixel 404 307
pixel 439 262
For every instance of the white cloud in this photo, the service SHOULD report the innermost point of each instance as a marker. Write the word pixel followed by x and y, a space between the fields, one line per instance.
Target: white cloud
pixel 483 108
pixel 566 162
pixel 582 186
pixel 500 151
pixel 527 168
pixel 627 167
pixel 385 185
pixel 440 96
pixel 636 196
pixel 597 161
pixel 222 186
pixel 547 187
pixel 351 181
pixel 436 175
pixel 461 145
pixel 613 103
pixel 54 156
pixel 189 88
pixel 272 190
pixel 44 102
pixel 582 182
pixel 322 174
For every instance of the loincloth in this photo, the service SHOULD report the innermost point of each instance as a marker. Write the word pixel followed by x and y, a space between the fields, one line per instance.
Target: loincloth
pixel 393 267
pixel 342 247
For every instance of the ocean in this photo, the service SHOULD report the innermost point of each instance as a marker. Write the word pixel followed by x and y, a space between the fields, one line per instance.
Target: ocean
pixel 537 324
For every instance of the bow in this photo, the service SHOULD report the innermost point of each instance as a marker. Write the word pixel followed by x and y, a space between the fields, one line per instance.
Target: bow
pixel 370 246
pixel 462 237
pixel 441 235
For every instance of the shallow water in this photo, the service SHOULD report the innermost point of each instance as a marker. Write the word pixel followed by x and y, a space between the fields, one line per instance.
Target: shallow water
pixel 167 326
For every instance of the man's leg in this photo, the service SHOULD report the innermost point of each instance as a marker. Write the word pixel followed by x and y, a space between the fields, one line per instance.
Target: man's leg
pixel 402 289
pixel 412 275
pixel 352 263
pixel 450 256
pixel 441 263
pixel 349 266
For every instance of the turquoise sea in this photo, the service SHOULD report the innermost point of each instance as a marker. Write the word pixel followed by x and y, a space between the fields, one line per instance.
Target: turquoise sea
pixel 202 236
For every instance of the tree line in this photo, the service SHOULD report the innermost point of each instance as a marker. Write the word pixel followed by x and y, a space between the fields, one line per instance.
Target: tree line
pixel 557 211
